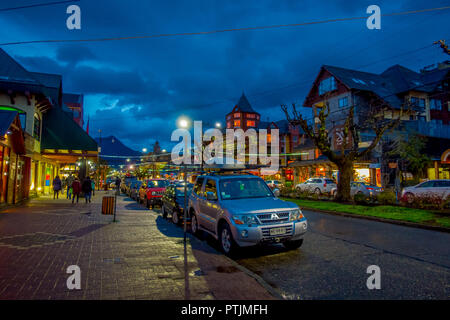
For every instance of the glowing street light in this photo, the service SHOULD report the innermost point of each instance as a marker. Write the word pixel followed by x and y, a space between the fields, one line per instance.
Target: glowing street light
pixel 144 150
pixel 218 125
pixel 183 123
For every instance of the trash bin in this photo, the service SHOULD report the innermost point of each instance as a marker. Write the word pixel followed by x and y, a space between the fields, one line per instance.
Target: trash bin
pixel 108 205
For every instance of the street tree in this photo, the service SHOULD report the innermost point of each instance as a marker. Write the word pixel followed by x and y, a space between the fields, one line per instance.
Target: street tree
pixel 409 149
pixel 376 117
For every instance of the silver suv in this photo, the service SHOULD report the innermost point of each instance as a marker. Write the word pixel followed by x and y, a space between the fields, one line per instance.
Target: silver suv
pixel 241 210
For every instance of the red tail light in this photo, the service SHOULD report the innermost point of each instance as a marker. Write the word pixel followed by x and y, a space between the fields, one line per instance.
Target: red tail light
pixel 369 188
pixel 325 185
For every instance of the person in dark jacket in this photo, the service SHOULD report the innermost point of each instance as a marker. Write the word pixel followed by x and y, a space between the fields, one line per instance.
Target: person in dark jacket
pixel 76 189
pixel 87 189
pixel 57 186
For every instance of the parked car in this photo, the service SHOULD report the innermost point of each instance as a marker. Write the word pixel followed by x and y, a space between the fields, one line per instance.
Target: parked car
pixel 434 188
pixel 274 184
pixel 173 201
pixel 241 210
pixel 317 186
pixel 361 187
pixel 151 192
pixel 134 189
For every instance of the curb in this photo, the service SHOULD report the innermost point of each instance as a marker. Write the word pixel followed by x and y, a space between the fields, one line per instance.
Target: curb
pixel 251 274
pixel 391 221
pixel 258 279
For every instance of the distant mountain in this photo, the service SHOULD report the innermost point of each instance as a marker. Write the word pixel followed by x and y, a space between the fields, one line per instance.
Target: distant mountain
pixel 115 152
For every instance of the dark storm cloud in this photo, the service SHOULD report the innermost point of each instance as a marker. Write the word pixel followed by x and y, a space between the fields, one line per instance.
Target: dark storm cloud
pixel 74 54
pixel 138 88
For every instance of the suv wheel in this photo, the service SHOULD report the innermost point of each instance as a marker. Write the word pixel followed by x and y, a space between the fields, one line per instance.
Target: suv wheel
pixel 147 204
pixel 317 191
pixel 292 245
pixel 226 240
pixel 175 218
pixel 194 225
pixel 164 212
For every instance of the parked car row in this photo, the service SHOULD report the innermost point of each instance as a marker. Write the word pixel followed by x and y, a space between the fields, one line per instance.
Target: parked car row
pixel 237 210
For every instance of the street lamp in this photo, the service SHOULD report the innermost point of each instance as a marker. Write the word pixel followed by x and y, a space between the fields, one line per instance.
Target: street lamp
pixel 218 125
pixel 144 150
pixel 184 123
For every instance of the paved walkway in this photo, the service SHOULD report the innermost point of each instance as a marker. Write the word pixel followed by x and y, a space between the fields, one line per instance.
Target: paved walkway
pixel 142 256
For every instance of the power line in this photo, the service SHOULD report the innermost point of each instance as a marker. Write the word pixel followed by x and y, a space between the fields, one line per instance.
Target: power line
pixel 218 31
pixel 38 5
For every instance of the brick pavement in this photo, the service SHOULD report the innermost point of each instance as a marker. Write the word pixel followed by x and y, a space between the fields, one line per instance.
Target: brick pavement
pixel 142 256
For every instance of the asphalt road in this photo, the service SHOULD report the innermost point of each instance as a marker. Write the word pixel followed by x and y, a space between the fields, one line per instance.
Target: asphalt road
pixel 333 261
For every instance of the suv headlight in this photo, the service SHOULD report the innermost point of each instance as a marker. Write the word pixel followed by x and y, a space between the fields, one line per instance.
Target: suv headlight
pixel 245 219
pixel 296 215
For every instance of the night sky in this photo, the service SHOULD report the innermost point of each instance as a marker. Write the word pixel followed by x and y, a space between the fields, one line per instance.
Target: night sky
pixel 136 89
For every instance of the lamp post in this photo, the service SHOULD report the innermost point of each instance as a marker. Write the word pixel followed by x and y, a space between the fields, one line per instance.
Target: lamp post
pixel 184 123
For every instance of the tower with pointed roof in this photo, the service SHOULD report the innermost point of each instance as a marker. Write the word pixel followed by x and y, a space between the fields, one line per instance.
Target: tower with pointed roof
pixel 243 116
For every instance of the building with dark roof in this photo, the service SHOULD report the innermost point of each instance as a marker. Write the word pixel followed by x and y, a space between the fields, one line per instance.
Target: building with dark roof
pixel 243 116
pixel 52 138
pixel 421 97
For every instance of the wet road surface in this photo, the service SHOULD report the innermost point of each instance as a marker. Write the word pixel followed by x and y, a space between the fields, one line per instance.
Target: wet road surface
pixel 333 261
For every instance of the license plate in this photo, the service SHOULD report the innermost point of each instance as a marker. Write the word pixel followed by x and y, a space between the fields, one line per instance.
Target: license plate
pixel 277 231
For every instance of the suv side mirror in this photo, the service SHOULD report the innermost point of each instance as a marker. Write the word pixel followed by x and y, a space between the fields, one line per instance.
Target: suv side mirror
pixel 210 196
pixel 276 192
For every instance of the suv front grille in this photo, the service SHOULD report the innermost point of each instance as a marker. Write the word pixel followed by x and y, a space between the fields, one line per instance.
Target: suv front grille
pixel 266 232
pixel 278 217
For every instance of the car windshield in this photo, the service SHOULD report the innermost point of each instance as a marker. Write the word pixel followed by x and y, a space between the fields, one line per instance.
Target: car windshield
pixel 232 189
pixel 157 184
pixel 180 190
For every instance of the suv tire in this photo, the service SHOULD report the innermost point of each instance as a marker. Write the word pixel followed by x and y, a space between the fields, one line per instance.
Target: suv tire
pixel 292 245
pixel 164 212
pixel 194 225
pixel 317 191
pixel 226 240
pixel 175 217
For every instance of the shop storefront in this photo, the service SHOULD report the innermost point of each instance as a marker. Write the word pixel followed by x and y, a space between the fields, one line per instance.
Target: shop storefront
pixel 15 167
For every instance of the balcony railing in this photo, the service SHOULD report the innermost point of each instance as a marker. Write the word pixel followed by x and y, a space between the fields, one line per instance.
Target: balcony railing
pixel 429 129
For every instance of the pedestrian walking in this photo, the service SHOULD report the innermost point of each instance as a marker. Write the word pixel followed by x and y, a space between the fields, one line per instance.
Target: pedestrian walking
pixel 93 187
pixel 57 186
pixel 118 181
pixel 87 189
pixel 76 189
pixel 69 182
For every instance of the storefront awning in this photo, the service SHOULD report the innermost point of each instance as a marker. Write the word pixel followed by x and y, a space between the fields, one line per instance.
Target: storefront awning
pixel 60 132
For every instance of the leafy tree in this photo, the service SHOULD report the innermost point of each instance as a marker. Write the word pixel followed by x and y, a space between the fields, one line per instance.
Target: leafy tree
pixel 410 150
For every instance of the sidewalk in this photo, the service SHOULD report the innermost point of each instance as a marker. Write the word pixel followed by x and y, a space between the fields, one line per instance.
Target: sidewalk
pixel 142 256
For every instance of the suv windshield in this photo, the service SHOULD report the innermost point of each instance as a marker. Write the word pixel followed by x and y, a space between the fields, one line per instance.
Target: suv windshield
pixel 157 184
pixel 180 190
pixel 232 189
